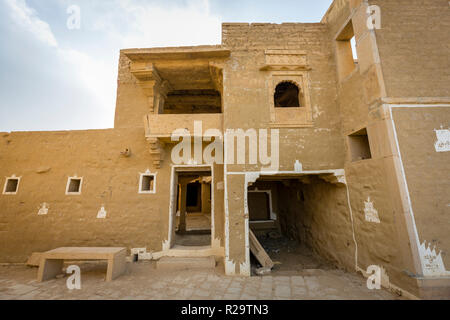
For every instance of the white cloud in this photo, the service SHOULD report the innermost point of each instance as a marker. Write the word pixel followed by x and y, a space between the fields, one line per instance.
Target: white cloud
pixel 142 24
pixel 95 75
pixel 113 25
pixel 90 73
pixel 26 17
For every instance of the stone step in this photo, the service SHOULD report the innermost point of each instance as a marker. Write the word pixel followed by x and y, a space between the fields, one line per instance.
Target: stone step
pixel 185 263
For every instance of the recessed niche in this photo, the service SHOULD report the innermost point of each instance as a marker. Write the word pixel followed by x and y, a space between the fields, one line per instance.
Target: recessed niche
pixel 359 145
pixel 147 183
pixel 290 105
pixel 193 102
pixel 287 95
pixel 346 52
pixel 11 185
pixel 74 186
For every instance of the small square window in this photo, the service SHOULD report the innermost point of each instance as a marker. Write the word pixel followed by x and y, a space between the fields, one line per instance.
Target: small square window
pixel 74 186
pixel 147 182
pixel 359 146
pixel 11 185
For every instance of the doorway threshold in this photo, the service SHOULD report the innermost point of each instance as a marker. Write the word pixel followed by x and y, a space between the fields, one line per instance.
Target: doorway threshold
pixel 190 251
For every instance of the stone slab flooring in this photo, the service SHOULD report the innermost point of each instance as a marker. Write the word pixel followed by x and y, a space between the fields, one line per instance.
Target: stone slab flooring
pixel 142 281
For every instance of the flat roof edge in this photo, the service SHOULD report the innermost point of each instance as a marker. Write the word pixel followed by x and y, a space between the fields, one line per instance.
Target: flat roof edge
pixel 171 53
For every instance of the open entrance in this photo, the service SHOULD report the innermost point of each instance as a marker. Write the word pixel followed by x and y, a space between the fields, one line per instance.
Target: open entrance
pixel 300 221
pixel 193 102
pixel 193 208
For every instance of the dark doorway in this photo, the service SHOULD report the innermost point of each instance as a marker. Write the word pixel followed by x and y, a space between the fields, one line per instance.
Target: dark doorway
pixel 259 206
pixel 193 197
pixel 193 222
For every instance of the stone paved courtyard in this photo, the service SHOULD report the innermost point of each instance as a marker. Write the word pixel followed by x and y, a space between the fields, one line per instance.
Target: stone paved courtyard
pixel 143 281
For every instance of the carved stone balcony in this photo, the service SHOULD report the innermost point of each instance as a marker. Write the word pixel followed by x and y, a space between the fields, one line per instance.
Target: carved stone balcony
pixel 160 127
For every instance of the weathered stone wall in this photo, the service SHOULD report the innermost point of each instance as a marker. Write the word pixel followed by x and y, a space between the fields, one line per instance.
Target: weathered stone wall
pixel 413 44
pixel 248 97
pixel 317 214
pixel 247 104
pixel 109 179
pixel 406 59
pixel 414 41
pixel 427 172
pixel 374 181
pixel 131 103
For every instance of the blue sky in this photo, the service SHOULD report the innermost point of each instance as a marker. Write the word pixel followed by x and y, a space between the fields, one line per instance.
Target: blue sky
pixel 56 78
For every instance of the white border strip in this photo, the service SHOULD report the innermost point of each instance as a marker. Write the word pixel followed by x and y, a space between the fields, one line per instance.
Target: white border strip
pixel 168 244
pixel 353 226
pixel 298 173
pixel 69 179
pixel 417 105
pixel 13 177
pixel 413 220
pixel 230 267
pixel 147 173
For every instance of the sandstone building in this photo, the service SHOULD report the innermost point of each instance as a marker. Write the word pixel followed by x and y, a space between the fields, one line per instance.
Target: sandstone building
pixel 363 175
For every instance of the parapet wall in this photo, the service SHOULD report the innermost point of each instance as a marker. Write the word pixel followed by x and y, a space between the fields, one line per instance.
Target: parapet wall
pixel 243 36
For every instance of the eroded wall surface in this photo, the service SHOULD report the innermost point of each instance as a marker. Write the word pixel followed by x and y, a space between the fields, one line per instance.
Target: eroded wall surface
pixel 45 160
pixel 413 44
pixel 317 145
pixel 249 96
pixel 383 225
pixel 317 214
pixel 423 137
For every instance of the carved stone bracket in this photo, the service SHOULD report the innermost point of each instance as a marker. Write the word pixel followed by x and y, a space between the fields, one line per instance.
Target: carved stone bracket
pixel 156 151
pixel 216 72
pixel 153 86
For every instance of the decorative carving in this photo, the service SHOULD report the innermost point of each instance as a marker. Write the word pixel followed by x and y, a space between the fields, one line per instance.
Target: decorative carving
pixel 156 151
pixel 153 86
pixel 145 72
pixel 285 60
pixel 216 76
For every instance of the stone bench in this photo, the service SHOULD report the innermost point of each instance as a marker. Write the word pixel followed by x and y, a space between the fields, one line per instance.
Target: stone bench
pixel 52 261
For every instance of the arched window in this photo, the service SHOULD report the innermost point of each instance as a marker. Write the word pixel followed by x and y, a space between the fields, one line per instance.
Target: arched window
pixel 287 95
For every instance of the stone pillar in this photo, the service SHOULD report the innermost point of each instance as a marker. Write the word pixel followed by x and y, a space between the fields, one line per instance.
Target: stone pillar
pixel 206 198
pixel 237 255
pixel 182 206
